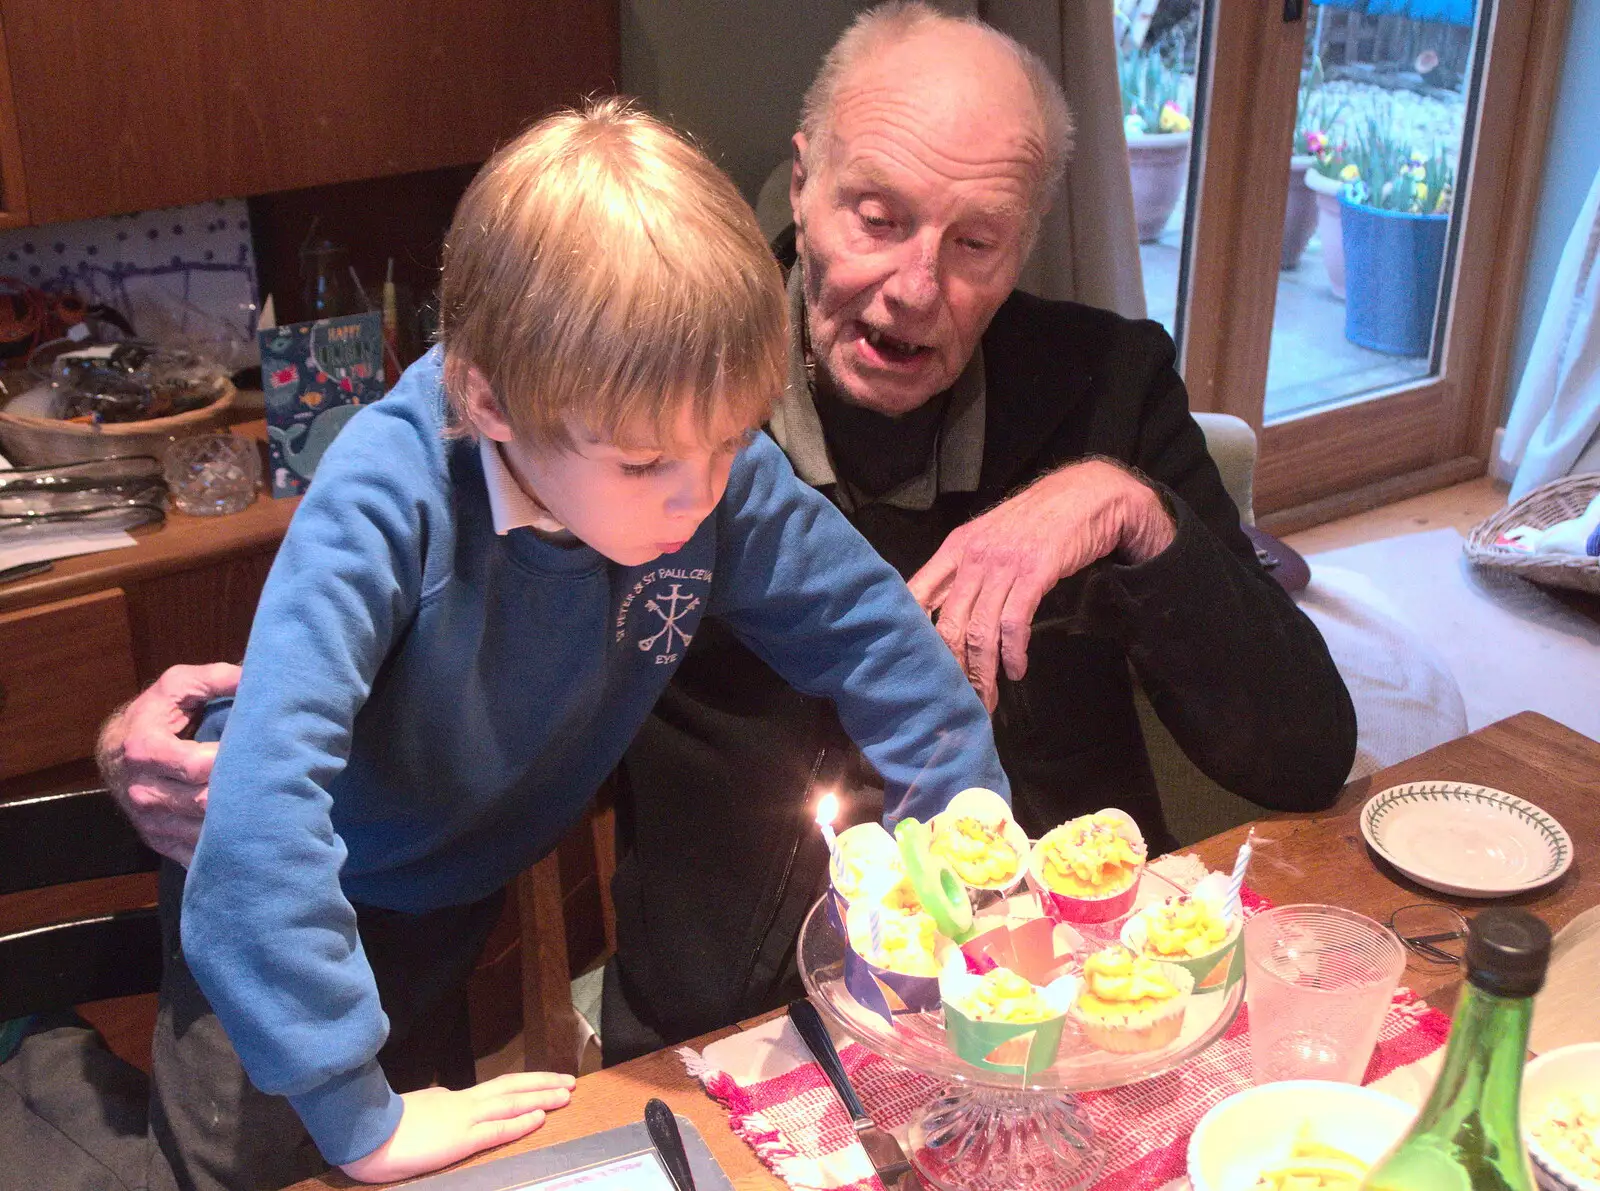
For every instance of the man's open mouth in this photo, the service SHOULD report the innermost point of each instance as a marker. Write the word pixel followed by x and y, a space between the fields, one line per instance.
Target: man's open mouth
pixel 892 350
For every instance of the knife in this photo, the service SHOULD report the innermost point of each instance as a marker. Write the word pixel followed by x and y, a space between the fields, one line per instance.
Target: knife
pixel 663 1127
pixel 884 1152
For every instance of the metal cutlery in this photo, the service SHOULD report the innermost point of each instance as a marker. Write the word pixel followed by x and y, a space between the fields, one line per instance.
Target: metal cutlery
pixel 883 1151
pixel 663 1127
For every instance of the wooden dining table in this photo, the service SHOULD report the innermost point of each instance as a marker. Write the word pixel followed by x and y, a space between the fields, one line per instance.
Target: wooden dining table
pixel 1319 857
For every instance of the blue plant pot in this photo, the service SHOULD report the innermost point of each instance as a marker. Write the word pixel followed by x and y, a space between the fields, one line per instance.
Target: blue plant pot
pixel 1392 262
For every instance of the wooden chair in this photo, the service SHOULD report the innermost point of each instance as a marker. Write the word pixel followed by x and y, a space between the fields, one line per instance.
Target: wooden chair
pixel 81 955
pixel 567 923
pixel 56 840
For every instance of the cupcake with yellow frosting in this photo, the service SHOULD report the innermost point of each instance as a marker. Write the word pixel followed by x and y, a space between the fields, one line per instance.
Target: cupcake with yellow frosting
pixel 1194 931
pixel 893 953
pixel 906 937
pixel 864 855
pixel 1128 1003
pixel 985 846
pixel 1001 995
pixel 1001 1020
pixel 1087 870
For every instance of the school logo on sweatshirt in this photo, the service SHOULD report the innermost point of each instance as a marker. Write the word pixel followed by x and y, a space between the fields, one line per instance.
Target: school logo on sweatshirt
pixel 661 612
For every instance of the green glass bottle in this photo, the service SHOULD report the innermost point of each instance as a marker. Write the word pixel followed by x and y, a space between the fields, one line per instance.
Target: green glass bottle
pixel 1468 1136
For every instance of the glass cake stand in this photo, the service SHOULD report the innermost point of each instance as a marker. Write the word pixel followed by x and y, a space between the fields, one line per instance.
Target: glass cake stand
pixel 987 1131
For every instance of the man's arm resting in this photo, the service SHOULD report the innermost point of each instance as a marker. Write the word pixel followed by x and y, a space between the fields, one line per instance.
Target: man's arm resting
pixel 986 581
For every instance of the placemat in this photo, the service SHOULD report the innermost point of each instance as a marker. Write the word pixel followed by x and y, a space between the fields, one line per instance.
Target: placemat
pixel 780 1102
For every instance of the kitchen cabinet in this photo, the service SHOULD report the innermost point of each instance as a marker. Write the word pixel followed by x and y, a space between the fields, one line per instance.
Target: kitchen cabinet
pixel 83 638
pixel 63 667
pixel 125 105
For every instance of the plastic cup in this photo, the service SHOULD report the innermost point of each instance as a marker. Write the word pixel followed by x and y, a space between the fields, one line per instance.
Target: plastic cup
pixel 1318 982
pixel 211 474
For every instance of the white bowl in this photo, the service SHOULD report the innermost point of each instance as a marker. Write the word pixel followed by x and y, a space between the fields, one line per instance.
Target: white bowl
pixel 1563 1071
pixel 1254 1129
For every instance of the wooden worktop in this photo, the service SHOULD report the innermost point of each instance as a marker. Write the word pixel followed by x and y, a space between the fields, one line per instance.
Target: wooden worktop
pixel 180 544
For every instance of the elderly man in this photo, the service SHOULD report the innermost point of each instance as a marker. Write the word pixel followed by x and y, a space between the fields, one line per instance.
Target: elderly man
pixel 1030 466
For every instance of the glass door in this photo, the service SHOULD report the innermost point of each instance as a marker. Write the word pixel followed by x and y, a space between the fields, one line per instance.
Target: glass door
pixel 1160 66
pixel 1341 266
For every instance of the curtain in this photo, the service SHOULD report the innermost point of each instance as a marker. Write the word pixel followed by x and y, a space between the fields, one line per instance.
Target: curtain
pixel 1552 430
pixel 1088 246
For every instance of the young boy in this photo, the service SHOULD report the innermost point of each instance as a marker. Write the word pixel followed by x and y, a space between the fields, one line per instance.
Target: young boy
pixel 493 576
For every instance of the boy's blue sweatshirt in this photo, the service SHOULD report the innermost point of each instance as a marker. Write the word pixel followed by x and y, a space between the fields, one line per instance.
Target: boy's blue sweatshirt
pixel 427 707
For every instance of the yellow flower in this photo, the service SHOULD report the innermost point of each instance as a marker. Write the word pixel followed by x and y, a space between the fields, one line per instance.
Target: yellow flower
pixel 1422 192
pixel 1173 119
pixel 1350 173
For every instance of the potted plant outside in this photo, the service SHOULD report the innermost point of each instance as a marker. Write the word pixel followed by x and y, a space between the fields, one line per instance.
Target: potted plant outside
pixel 1395 217
pixel 1155 103
pixel 1314 117
pixel 1323 179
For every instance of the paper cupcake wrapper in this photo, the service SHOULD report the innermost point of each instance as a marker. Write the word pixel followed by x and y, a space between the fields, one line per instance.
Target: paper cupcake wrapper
pixel 1001 1046
pixel 1063 907
pixel 888 994
pixel 1215 971
pixel 1038 950
pixel 836 908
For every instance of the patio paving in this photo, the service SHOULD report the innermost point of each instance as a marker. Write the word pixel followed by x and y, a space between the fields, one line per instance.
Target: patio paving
pixel 1312 364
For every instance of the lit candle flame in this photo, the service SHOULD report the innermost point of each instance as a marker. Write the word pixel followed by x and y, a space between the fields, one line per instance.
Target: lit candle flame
pixel 827 811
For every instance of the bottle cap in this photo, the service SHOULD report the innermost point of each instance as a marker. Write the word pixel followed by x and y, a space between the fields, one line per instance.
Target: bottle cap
pixel 1508 951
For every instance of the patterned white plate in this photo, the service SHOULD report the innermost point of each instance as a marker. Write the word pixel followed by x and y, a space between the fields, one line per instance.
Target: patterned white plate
pixel 1464 839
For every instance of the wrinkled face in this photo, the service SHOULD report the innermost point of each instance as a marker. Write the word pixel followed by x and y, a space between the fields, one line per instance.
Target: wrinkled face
pixel 631 501
pixel 911 226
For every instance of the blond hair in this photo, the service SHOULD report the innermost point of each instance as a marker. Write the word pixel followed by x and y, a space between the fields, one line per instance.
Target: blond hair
pixel 888 25
pixel 599 270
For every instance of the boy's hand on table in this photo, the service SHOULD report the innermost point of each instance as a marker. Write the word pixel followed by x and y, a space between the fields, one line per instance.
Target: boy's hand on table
pixel 158 778
pixel 439 1126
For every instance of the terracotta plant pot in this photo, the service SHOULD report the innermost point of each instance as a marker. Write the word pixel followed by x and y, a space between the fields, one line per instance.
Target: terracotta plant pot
pixel 1326 191
pixel 1299 213
pixel 1158 164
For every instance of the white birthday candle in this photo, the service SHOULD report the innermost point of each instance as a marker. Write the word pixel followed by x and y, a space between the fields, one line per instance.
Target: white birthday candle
pixel 1233 905
pixel 875 926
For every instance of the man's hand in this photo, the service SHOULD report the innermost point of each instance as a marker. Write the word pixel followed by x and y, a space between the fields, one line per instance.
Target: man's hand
pixel 157 778
pixel 988 577
pixel 439 1126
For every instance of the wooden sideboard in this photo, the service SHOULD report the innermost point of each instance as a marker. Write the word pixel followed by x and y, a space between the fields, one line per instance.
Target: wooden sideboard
pixel 87 635
pixel 82 638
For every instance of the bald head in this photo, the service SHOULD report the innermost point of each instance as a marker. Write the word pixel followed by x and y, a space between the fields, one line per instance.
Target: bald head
pixel 944 71
pixel 918 184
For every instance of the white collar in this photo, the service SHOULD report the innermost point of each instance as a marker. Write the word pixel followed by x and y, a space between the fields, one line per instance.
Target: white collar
pixel 510 506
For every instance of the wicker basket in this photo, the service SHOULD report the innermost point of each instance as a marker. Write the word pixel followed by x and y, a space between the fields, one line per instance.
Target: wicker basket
pixel 45 442
pixel 1559 500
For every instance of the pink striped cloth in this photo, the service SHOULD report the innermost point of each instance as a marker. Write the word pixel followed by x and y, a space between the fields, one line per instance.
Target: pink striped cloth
pixel 796 1125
